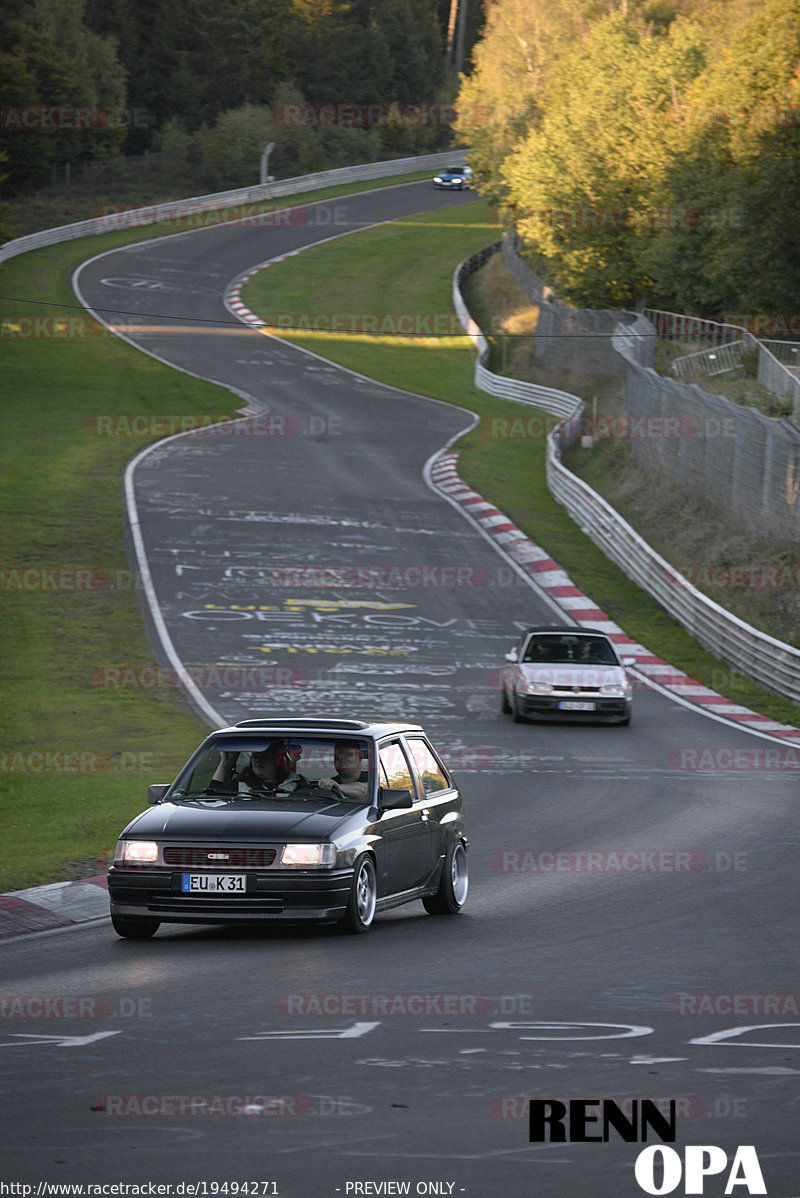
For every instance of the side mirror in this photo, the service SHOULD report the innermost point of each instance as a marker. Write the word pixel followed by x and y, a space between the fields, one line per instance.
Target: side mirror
pixel 390 800
pixel 511 657
pixel 629 661
pixel 156 792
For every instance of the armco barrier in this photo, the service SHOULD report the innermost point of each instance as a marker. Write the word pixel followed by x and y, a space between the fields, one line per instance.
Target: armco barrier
pixel 774 370
pixel 768 661
pixel 261 193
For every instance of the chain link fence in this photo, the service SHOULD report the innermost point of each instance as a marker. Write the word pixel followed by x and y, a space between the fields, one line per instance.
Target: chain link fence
pixel 568 339
pixel 741 463
pixel 744 465
pixel 772 663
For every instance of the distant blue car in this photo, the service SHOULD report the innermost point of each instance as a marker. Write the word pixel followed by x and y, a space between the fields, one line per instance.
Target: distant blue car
pixel 455 177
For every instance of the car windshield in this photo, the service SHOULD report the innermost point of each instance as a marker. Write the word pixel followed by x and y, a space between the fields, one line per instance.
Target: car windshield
pixel 558 649
pixel 264 764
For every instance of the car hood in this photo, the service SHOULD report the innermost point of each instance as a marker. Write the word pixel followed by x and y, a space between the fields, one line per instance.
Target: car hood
pixel 237 819
pixel 574 674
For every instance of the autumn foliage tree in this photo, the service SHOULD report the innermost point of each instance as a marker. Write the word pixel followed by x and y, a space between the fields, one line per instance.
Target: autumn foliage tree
pixel 644 152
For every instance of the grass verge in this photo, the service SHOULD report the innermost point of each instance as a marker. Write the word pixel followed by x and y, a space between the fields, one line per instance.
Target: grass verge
pixel 77 756
pixel 395 272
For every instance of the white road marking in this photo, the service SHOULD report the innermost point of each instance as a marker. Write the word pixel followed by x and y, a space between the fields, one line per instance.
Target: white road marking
pixel 57 1041
pixel 350 1033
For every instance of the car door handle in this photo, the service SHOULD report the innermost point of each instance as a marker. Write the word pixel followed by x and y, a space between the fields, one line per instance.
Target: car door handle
pixel 425 815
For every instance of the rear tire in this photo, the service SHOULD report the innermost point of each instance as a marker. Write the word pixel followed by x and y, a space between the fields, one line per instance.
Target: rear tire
pixel 135 927
pixel 363 896
pixel 454 884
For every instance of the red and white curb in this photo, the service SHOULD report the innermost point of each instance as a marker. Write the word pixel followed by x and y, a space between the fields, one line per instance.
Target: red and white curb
pixel 233 300
pixel 65 904
pixel 557 585
pixel 58 905
pixel 233 293
pixel 555 582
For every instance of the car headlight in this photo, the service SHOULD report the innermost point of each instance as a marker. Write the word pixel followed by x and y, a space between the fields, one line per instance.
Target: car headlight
pixel 137 852
pixel 614 690
pixel 539 688
pixel 306 855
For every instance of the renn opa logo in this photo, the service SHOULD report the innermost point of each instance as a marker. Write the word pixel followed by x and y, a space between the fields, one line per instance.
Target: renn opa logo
pixel 658 1169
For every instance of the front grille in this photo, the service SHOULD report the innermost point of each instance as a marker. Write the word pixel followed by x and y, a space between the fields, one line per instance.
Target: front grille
pixel 219 859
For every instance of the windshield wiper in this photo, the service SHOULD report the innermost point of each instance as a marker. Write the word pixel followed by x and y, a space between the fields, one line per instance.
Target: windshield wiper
pixel 203 794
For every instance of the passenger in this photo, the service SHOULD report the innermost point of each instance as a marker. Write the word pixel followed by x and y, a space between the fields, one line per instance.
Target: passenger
pixel 598 651
pixel 270 770
pixel 347 760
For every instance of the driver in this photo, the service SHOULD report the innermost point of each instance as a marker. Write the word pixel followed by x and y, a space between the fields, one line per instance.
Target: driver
pixel 347 760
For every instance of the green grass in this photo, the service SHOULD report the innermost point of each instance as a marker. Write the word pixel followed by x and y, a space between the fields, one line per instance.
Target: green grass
pixel 396 272
pixel 61 497
pixel 34 214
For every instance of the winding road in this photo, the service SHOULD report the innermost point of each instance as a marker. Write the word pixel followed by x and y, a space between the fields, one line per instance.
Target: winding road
pixel 631 929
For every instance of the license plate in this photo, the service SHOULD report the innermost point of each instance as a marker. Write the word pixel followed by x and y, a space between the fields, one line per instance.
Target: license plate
pixel 214 883
pixel 569 705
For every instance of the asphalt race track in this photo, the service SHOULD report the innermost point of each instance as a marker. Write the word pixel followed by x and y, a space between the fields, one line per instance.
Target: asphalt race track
pixel 631 929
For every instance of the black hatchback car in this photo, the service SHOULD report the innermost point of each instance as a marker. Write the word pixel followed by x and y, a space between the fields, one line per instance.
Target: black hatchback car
pixel 327 820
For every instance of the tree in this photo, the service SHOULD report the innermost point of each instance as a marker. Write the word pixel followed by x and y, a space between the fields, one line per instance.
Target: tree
pixel 63 91
pixel 735 154
pixel 582 183
pixel 232 149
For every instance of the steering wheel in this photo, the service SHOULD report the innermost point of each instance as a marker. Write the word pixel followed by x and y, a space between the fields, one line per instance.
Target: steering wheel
pixel 334 789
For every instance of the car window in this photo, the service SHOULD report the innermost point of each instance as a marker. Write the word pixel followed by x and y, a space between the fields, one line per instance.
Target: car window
pixel 544 648
pixel 568 647
pixel 599 651
pixel 431 773
pixel 196 778
pixel 227 765
pixel 395 768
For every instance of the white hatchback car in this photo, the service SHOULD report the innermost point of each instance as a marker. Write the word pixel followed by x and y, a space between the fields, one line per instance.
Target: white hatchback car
pixel 566 673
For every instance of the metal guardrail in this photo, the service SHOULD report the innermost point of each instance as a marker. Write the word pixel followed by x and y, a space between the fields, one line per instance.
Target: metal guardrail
pixel 156 213
pixel 722 359
pixel 560 403
pixel 688 330
pixel 767 660
pixel 787 352
pixel 774 371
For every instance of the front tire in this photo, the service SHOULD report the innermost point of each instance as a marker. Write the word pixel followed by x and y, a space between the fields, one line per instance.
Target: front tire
pixel 134 927
pixel 363 896
pixel 454 884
